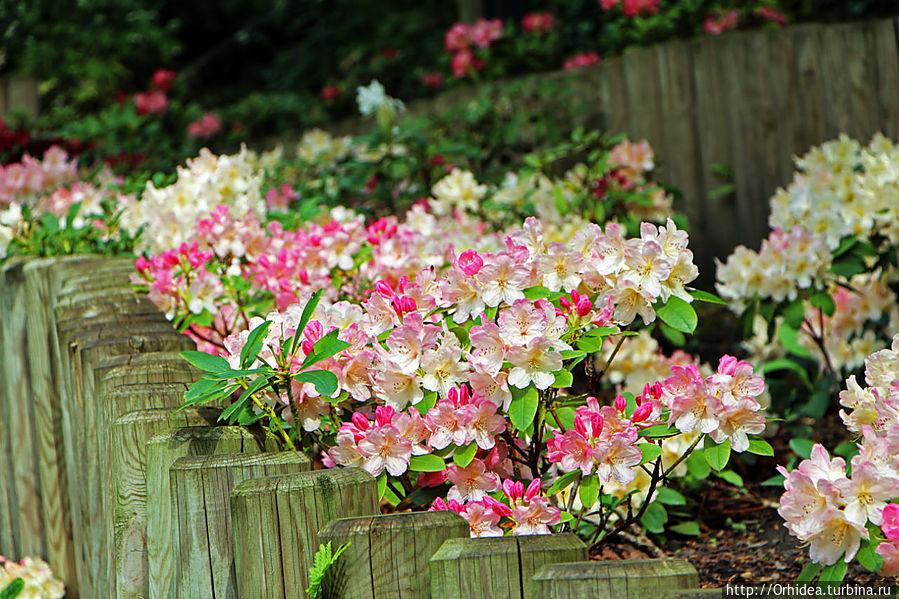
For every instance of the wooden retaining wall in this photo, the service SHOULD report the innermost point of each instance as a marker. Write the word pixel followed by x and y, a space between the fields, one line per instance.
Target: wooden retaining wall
pixel 751 100
pixel 18 93
pixel 127 498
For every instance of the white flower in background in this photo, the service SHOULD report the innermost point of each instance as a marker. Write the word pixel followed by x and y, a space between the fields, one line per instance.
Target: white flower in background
pixel 459 189
pixel 374 100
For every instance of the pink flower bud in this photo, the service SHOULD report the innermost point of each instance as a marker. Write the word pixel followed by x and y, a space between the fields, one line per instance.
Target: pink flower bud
pixel 470 262
pixel 642 412
pixel 383 415
pixel 360 421
pixel 584 305
pixel 727 365
pixel 580 427
pixel 438 505
pixel 596 423
pixel 533 490
pixel 565 303
pixel 498 507
pixel 620 403
pixel 384 289
pixel 141 264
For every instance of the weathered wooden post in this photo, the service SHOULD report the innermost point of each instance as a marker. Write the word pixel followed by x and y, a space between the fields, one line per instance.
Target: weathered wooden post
pixel 201 499
pixel 279 518
pixel 163 450
pixel 23 488
pixel 389 554
pixel 614 579
pixel 498 567
pixel 130 435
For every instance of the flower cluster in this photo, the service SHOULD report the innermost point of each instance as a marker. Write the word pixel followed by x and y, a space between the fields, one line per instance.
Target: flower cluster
pixel 721 20
pixel 205 127
pixel 632 8
pixel 37 576
pixel 538 22
pixel 461 38
pixel 26 181
pixel 169 213
pixel 582 59
pixel 833 512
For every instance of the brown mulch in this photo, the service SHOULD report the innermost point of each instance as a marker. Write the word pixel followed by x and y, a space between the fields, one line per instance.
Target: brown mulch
pixel 742 541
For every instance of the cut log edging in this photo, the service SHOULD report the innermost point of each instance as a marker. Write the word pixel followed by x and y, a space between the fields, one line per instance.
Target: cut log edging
pixel 93 383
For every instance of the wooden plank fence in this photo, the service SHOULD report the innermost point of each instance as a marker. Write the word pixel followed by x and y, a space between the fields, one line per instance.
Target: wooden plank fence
pixel 750 100
pixel 127 498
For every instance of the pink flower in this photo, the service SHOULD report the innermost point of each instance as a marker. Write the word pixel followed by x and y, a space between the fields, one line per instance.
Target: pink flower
pixel 330 92
pixel 205 127
pixel 153 101
pixel 483 423
pixel 634 8
pixel 485 32
pixel 458 37
pixel 463 62
pixel 503 279
pixel 609 4
pixel 470 262
pixel 890 554
pixel 534 363
pixel 720 21
pixel 890 523
pixel 483 520
pixel 434 80
pixel 583 59
pixel 571 451
pixel 768 13
pixel 383 447
pixel 535 517
pixel 538 22
pixel 618 457
pixel 471 483
pixel 163 79
pixel 837 538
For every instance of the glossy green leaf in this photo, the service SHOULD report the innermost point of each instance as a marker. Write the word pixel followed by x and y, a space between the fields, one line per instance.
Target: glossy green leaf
pixel 787 364
pixel 731 477
pixel 324 348
pixel 823 301
pixel 808 573
pixel 705 296
pixel 427 463
pixel 462 457
pixel 206 362
pixel 588 492
pixel 678 314
pixel 802 447
pixel 718 455
pixel 650 452
pixel 760 447
pixel 690 528
pixel 670 496
pixel 563 482
pixel 524 406
pixel 325 382
pixel 253 346
pixel 563 379
pixel 869 558
pixel 794 313
pixel 654 518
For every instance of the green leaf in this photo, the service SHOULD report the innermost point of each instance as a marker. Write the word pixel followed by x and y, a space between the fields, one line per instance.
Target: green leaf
pixel 536 292
pixel 670 496
pixel 846 450
pixel 658 431
pixel 251 349
pixel 675 337
pixel 600 332
pixel 563 379
pixel 562 483
pixel 787 364
pixel 678 314
pixel 824 302
pixel 524 406
pixel 760 447
pixel 731 477
pixel 463 456
pixel 650 452
pixel 588 492
pixel 324 348
pixel 654 518
pixel 205 390
pixel 427 463
pixel 304 319
pixel 690 528
pixel 382 485
pixel 13 589
pixel 802 447
pixel 846 244
pixel 869 558
pixel 324 381
pixel 717 455
pixel 789 338
pixel 566 418
pixel 206 362
pixel 427 402
pixel 833 574
pixel 808 573
pixel 775 481
pixel 571 354
pixel 705 296
pixel 848 266
pixel 794 313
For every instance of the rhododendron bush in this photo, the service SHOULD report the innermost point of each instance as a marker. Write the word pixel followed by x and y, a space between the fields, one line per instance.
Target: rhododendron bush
pixel 820 294
pixel 439 363
pixel 849 511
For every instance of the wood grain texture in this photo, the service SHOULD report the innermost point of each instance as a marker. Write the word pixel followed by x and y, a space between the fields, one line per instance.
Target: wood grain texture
pixel 280 517
pixel 130 434
pixel 498 567
pixel 163 450
pixel 24 487
pixel 201 490
pixel 614 579
pixel 389 555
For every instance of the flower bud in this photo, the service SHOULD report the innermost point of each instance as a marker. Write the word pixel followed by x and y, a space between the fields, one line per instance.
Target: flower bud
pixel 620 403
pixel 533 490
pixel 470 262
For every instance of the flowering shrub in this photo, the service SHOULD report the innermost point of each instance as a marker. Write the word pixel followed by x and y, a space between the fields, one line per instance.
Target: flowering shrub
pixel 32 577
pixel 850 513
pixel 450 378
pixel 49 207
pixel 820 294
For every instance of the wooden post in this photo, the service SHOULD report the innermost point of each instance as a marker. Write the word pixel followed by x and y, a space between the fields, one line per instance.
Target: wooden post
pixel 279 518
pixel 23 486
pixel 389 554
pixel 614 579
pixel 130 435
pixel 697 594
pixel 162 451
pixel 201 492
pixel 498 567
